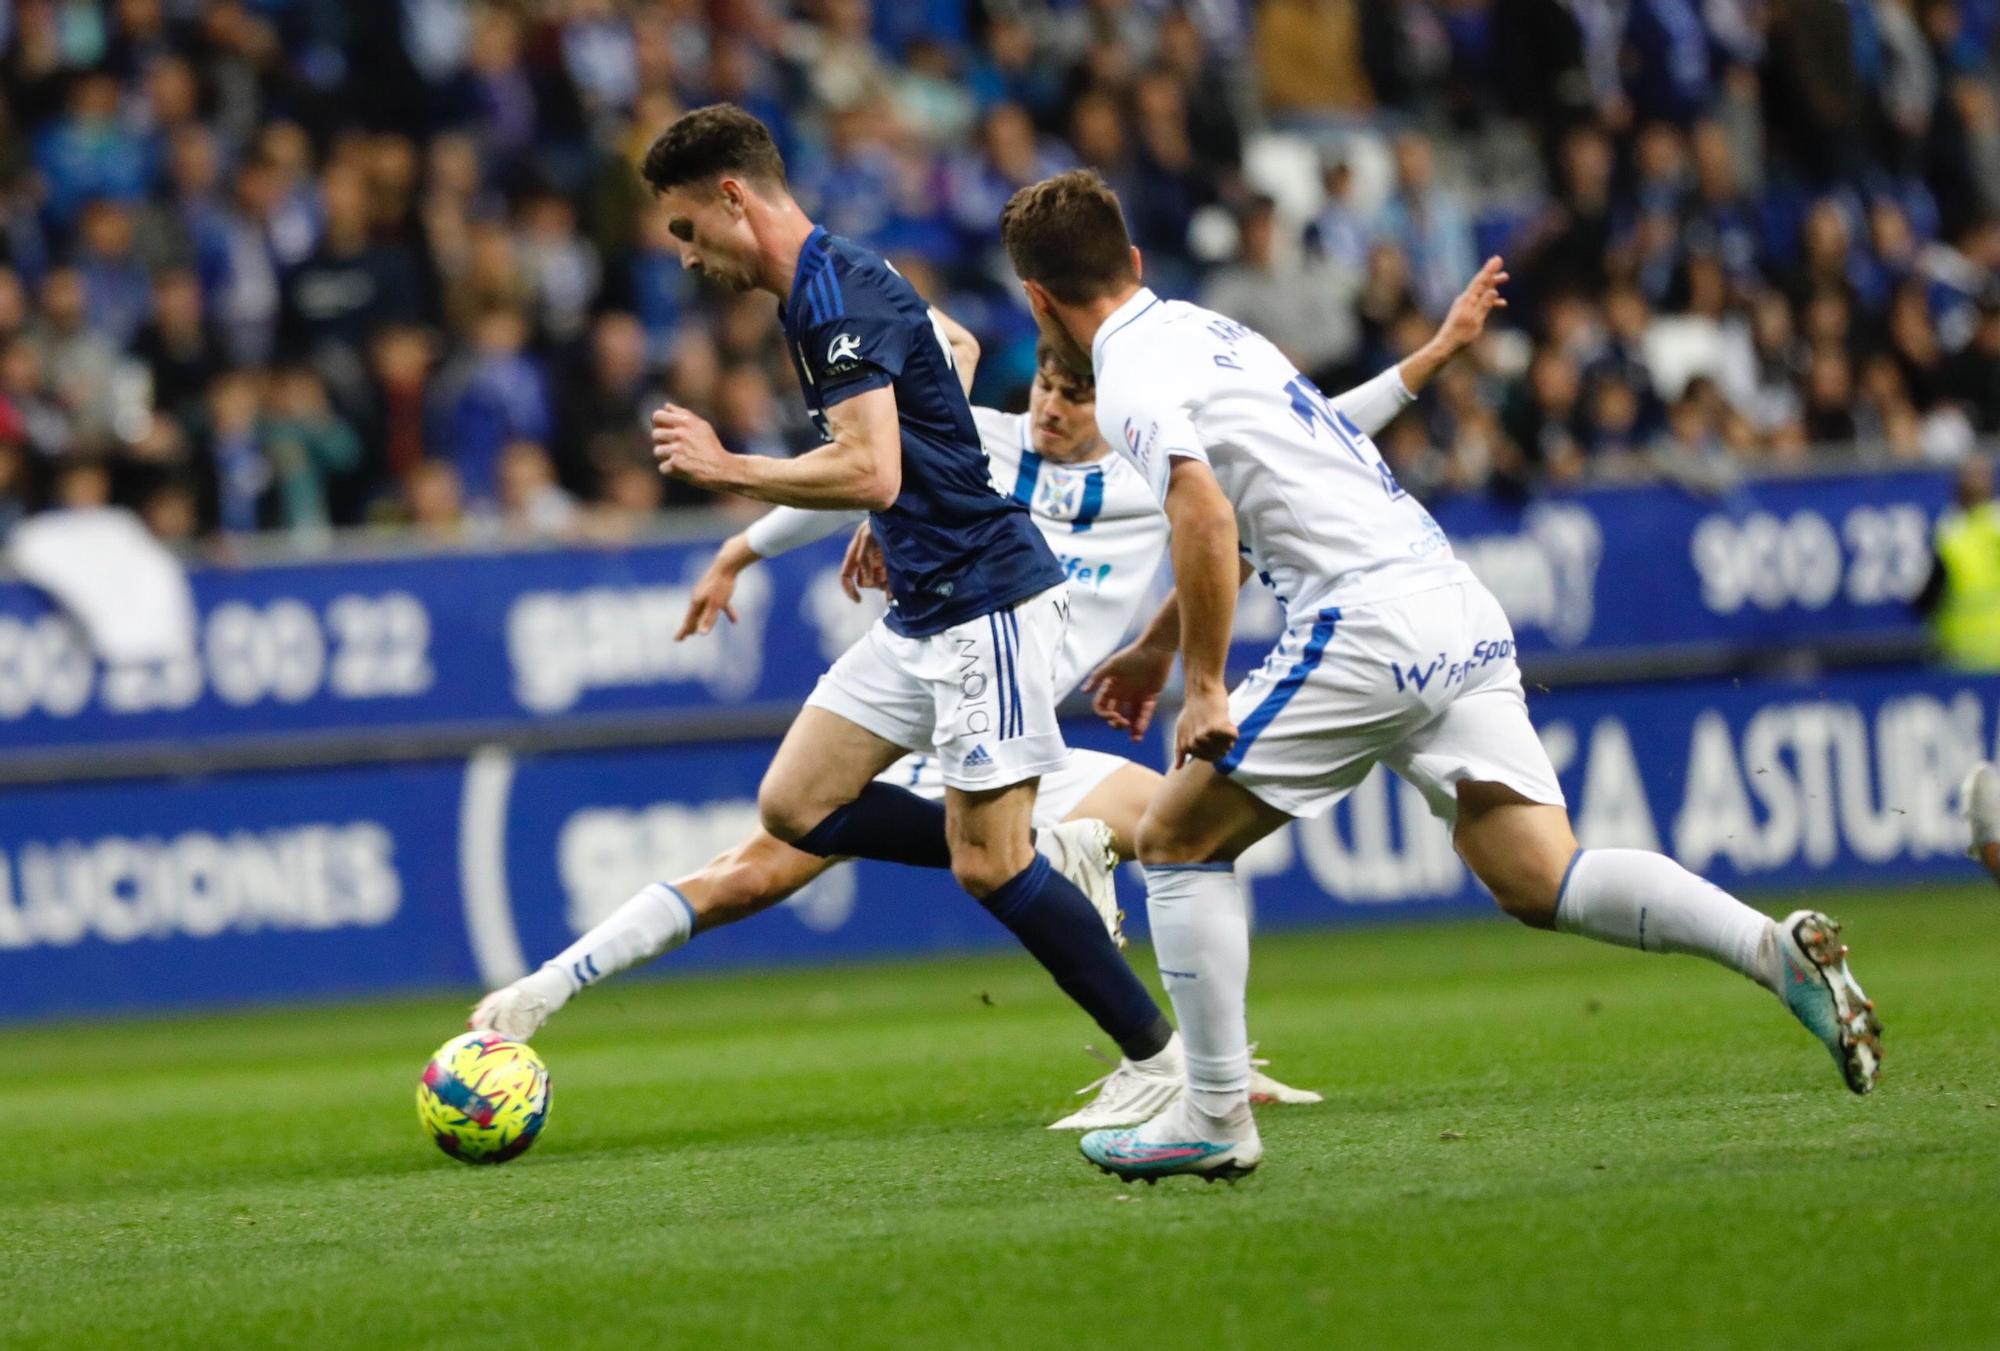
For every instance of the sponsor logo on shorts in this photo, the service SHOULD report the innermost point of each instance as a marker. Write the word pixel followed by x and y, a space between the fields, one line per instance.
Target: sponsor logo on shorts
pixel 973 687
pixel 979 759
pixel 1441 668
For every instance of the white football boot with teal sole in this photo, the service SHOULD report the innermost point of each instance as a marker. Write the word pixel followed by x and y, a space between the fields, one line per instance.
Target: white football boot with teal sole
pixel 1179 1141
pixel 1823 994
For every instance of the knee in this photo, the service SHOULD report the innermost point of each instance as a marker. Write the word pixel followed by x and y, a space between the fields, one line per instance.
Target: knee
pixel 983 871
pixel 784 814
pixel 979 876
pixel 1161 841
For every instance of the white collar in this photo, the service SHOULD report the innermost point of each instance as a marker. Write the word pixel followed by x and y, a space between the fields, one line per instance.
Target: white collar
pixel 1135 305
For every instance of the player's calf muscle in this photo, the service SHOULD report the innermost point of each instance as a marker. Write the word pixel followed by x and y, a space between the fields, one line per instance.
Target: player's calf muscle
pixel 1519 849
pixel 750 878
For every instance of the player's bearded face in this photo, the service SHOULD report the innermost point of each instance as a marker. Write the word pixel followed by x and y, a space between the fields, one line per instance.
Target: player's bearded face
pixel 1062 414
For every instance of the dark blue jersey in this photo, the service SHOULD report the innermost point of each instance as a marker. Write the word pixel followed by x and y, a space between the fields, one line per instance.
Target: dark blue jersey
pixel 955 548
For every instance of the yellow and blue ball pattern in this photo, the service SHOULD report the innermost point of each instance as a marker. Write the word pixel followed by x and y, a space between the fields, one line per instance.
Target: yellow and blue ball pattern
pixel 484 1098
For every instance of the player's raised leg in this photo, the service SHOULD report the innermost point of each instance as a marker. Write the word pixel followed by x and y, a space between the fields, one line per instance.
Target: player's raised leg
pixel 657 919
pixel 1527 856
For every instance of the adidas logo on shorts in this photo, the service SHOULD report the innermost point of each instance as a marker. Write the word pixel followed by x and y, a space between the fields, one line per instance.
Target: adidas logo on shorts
pixel 979 759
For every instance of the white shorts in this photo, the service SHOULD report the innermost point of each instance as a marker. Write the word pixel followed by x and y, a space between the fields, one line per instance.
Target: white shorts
pixel 980 696
pixel 1060 794
pixel 1426 684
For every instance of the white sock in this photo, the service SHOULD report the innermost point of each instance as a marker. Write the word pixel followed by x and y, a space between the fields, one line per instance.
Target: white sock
pixel 655 921
pixel 1643 900
pixel 1201 936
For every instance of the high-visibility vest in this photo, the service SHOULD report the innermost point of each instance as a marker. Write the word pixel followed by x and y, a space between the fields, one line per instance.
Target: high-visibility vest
pixel 1967 620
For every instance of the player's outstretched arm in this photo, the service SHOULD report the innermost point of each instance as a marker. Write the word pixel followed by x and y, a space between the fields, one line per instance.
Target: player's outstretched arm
pixel 713 590
pixel 860 468
pixel 963 346
pixel 1372 405
pixel 1463 323
pixel 778 531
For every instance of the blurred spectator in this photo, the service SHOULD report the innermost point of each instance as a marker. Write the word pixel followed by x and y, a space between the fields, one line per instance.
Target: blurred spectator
pixel 1429 222
pixel 497 395
pixel 17 497
pixel 179 351
pixel 433 501
pixel 530 500
pixel 1304 305
pixel 88 153
pixel 346 288
pixel 307 446
pixel 172 512
pixel 115 287
pixel 1972 377
pixel 1736 227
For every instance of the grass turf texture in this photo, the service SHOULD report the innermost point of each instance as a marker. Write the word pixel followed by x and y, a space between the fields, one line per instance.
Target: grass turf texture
pixel 1528 1140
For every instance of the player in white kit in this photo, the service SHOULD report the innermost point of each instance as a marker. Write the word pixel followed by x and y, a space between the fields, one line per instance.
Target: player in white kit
pixel 1394 653
pixel 1105 525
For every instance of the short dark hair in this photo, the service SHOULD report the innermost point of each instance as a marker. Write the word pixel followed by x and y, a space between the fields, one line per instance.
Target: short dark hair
pixel 709 142
pixel 1047 357
pixel 1067 233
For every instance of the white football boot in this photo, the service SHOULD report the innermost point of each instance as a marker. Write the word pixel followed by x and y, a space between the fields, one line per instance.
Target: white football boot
pixel 1134 1091
pixel 1179 1140
pixel 1085 853
pixel 1139 1090
pixel 1980 800
pixel 1266 1091
pixel 512 1011
pixel 1823 994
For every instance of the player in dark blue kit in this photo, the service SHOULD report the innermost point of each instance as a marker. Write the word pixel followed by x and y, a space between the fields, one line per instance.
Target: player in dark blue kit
pixel 963 666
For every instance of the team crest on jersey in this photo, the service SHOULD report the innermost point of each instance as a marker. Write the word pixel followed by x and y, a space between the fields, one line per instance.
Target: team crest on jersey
pixel 1059 496
pixel 843 354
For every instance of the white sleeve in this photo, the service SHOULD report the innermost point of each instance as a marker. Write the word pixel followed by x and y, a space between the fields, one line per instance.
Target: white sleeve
pixel 1000 438
pixel 783 529
pixel 1372 406
pixel 1148 439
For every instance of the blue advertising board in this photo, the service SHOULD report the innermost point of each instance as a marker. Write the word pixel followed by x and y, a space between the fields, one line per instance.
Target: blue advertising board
pixel 498 643
pixel 313 883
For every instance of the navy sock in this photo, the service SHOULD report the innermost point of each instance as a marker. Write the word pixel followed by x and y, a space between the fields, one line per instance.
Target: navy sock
pixel 884 822
pixel 1057 924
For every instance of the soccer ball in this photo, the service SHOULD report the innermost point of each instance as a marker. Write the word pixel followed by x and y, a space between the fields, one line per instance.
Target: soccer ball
pixel 484 1098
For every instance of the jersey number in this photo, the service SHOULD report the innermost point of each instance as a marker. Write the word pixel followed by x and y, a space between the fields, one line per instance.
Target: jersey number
pixel 1312 409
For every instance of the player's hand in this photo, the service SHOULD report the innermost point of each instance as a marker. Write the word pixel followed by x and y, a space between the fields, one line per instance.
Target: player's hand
pixel 1466 319
pixel 863 569
pixel 1205 730
pixel 711 596
pixel 1125 690
pixel 687 448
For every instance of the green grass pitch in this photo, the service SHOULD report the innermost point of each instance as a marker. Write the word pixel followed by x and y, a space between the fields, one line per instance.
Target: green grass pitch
pixel 1528 1141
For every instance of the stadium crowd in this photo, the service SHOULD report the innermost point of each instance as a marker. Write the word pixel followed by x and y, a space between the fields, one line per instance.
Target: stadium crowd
pixel 286 264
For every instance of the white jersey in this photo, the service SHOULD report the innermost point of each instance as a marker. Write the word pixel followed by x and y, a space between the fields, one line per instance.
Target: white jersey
pixel 1318 513
pixel 1103 523
pixel 1100 518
